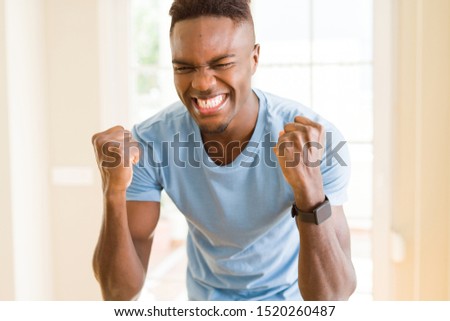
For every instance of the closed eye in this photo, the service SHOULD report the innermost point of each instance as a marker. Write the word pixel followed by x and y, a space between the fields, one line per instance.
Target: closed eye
pixel 223 66
pixel 183 70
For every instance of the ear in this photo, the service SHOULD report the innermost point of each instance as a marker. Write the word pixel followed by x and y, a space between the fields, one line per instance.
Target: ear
pixel 255 58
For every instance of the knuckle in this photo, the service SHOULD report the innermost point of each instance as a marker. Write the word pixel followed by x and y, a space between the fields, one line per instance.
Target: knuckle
pixel 285 143
pixel 298 119
pixel 118 128
pixel 319 128
pixel 298 143
pixel 94 139
pixel 99 140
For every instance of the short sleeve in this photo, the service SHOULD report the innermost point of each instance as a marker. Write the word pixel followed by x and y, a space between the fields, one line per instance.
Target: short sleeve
pixel 336 167
pixel 145 184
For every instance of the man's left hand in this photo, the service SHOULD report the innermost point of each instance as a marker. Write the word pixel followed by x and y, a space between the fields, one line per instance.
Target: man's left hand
pixel 299 151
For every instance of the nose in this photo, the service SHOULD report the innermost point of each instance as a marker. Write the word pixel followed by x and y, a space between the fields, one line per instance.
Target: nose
pixel 203 79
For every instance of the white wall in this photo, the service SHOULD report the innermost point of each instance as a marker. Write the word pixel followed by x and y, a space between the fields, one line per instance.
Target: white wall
pixel 413 265
pixel 74 115
pixel 422 173
pixel 50 195
pixel 384 33
pixel 6 245
pixel 28 137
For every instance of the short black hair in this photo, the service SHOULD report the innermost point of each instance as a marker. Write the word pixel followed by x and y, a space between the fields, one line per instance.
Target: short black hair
pixel 237 10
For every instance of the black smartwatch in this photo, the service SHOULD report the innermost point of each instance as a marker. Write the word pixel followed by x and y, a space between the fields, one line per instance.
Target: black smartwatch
pixel 320 214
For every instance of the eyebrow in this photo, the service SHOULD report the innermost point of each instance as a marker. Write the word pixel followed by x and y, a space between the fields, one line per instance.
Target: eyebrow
pixel 212 61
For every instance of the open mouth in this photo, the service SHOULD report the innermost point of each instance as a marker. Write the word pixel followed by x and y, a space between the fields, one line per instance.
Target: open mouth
pixel 210 105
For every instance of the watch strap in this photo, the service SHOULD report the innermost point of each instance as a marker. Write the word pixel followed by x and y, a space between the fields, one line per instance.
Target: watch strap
pixel 321 213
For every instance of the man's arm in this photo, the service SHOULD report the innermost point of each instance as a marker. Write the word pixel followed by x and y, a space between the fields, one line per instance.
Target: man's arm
pixel 325 269
pixel 123 249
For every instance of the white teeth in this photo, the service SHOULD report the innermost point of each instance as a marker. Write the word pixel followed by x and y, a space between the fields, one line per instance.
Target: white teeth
pixel 210 103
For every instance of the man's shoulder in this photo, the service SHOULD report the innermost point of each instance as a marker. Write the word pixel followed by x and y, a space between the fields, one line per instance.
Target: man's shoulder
pixel 285 109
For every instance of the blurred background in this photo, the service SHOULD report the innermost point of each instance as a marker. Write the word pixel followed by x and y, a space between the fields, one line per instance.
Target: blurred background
pixel 378 69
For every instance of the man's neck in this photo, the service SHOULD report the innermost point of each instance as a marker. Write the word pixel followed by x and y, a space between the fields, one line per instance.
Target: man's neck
pixel 223 148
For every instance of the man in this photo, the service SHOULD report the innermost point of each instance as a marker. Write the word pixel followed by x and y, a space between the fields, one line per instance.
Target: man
pixel 237 162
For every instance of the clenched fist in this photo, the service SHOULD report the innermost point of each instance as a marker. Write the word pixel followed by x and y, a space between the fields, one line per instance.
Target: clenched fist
pixel 299 151
pixel 114 158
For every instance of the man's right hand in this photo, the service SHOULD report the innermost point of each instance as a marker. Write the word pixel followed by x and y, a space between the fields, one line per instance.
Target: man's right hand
pixel 115 158
pixel 123 249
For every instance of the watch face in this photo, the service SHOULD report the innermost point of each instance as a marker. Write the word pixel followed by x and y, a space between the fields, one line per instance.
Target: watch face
pixel 317 216
pixel 323 212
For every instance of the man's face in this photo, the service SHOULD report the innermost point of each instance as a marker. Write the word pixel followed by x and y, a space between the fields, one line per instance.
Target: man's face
pixel 213 61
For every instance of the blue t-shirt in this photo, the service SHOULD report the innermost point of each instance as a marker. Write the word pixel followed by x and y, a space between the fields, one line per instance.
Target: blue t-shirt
pixel 242 242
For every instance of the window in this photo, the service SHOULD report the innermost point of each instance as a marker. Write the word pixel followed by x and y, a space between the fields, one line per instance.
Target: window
pixel 151 66
pixel 320 54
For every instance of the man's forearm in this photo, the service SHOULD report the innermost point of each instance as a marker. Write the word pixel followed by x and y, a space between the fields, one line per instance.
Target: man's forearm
pixel 325 271
pixel 116 264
